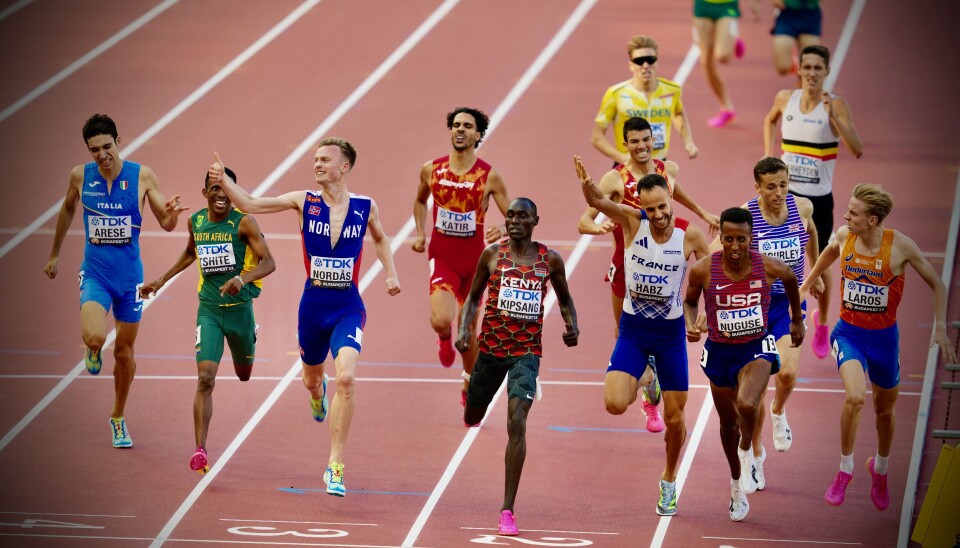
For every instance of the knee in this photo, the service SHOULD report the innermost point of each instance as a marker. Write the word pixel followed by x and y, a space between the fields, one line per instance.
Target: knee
pixel 787 376
pixel 440 322
pixel 345 383
pixel 94 340
pixel 205 382
pixel 721 57
pixel 616 407
pixel 517 426
pixel 674 423
pixel 886 415
pixel 746 409
pixel 123 355
pixel 854 402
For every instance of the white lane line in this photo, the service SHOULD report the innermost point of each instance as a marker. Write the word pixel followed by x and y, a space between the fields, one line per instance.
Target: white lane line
pixel 87 57
pixel 137 143
pixel 428 24
pixel 843 43
pixel 926 393
pixel 169 117
pixel 499 114
pixel 13 8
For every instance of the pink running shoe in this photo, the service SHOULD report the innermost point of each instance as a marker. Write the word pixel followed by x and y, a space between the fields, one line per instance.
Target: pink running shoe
pixel 878 492
pixel 739 48
pixel 508 525
pixel 721 119
pixel 446 352
pixel 654 422
pixel 838 489
pixel 821 337
pixel 198 462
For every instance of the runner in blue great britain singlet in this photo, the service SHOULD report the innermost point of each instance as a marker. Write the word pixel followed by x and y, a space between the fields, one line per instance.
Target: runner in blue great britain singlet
pixel 332 314
pixel 112 272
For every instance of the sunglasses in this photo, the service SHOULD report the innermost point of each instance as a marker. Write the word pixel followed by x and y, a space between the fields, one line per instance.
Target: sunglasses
pixel 649 59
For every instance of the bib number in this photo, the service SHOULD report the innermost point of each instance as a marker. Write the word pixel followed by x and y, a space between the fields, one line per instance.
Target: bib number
pixel 769 345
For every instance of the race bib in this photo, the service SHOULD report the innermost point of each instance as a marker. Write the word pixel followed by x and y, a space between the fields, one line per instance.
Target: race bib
pixel 216 258
pixel 456 224
pixel 520 299
pixel 787 250
pixel 659 134
pixel 802 169
pixel 769 345
pixel 739 322
pixel 861 297
pixel 653 292
pixel 107 230
pixel 331 272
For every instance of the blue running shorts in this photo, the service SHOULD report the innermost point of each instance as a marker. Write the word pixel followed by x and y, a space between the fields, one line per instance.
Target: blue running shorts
pixel 665 340
pixel 722 362
pixel 877 350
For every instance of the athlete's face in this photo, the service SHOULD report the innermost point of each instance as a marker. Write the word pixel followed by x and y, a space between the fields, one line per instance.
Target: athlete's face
pixel 520 220
pixel 463 132
pixel 640 145
pixel 647 71
pixel 105 151
pixel 329 165
pixel 656 204
pixel 813 70
pixel 217 200
pixel 735 238
pixel 772 190
pixel 857 218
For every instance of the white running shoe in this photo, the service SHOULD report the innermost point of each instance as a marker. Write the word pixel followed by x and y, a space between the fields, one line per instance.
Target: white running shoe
pixel 747 482
pixel 739 507
pixel 758 469
pixel 782 435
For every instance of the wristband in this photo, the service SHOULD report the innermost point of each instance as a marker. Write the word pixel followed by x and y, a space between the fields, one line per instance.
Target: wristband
pixel 241 280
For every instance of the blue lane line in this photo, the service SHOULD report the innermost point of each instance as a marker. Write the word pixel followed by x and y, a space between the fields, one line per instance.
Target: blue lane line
pixel 190 357
pixel 402 364
pixel 33 352
pixel 563 370
pixel 572 428
pixel 304 491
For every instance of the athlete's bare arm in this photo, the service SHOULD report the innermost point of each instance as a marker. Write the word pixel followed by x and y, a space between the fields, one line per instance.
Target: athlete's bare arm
pixel 841 122
pixel 249 231
pixel 485 267
pixel 67 211
pixel 829 254
pixel 770 121
pixel 682 123
pixel 382 247
pixel 558 277
pixel 777 269
pixel 598 139
pixel 420 208
pixel 496 189
pixel 623 214
pixel 166 211
pixel 695 242
pixel 186 258
pixel 911 254
pixel 805 209
pixel 681 196
pixel 699 278
pixel 611 185
pixel 248 203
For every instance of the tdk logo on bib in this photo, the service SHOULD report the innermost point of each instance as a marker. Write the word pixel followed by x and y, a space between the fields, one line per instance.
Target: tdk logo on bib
pixel 737 322
pixel 110 230
pixel 216 258
pixel 863 297
pixel 454 223
pixel 331 272
pixel 787 250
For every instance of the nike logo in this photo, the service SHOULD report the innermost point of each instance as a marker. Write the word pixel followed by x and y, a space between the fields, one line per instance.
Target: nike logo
pixel 757 356
pixel 529 397
pixel 762 234
pixel 93 184
pixel 722 287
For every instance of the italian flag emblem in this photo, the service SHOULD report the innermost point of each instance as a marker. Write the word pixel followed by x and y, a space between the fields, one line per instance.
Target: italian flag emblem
pixel 123 185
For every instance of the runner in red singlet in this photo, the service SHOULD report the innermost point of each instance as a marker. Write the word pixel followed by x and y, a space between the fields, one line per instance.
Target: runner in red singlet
pixel 518 270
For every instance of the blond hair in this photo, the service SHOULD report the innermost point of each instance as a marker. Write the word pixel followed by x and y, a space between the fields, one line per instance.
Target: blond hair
pixel 346 148
pixel 640 41
pixel 878 201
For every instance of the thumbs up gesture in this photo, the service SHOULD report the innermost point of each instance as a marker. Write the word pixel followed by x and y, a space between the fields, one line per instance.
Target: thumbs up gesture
pixel 215 173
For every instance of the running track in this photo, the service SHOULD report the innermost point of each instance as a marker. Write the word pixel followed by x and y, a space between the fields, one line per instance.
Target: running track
pixel 255 81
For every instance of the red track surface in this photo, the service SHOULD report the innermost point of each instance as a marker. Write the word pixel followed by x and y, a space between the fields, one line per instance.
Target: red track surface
pixel 597 482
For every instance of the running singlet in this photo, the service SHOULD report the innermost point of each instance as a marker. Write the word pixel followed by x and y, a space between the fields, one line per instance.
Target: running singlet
pixel 631 199
pixel 221 255
pixel 333 268
pixel 870 292
pixel 513 319
pixel 787 242
pixel 622 101
pixel 809 148
pixel 457 200
pixel 654 273
pixel 111 218
pixel 737 311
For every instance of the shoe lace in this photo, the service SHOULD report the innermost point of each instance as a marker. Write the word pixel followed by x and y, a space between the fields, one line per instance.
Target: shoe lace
pixel 507 519
pixel 841 481
pixel 119 429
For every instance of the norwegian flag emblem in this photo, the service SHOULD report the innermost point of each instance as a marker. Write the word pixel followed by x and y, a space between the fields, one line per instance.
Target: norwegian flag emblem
pixel 313 210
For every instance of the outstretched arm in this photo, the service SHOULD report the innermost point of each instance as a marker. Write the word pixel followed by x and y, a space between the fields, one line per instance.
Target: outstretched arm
pixel 382 247
pixel 829 254
pixel 595 198
pixel 558 277
pixel 67 211
pixel 246 202
pixel 480 278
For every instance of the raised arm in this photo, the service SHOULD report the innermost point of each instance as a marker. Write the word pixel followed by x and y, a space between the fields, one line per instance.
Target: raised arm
pixel 166 212
pixel 770 121
pixel 841 121
pixel 67 211
pixel 497 190
pixel 485 267
pixel 558 277
pixel 626 215
pixel 382 247
pixel 611 185
pixel 911 253
pixel 186 258
pixel 420 208
pixel 246 202
pixel 249 230
pixel 777 269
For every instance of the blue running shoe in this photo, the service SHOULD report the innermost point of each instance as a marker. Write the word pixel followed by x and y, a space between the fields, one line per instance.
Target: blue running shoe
pixel 667 504
pixel 320 406
pixel 333 477
pixel 93 361
pixel 121 438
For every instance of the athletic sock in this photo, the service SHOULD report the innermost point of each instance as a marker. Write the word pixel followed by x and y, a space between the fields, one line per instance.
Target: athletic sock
pixel 880 464
pixel 846 463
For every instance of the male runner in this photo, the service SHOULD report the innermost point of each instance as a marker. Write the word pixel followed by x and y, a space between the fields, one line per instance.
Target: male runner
pixel 333 222
pixel 112 192
pixel 515 272
pixel 866 339
pixel 813 119
pixel 646 95
pixel 739 355
pixel 234 258
pixel 461 186
pixel 652 322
